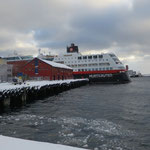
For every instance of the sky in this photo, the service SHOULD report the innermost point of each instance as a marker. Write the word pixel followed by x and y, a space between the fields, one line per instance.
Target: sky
pixel 118 26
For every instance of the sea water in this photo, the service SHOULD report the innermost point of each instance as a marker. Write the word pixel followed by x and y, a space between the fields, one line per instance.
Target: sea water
pixel 97 116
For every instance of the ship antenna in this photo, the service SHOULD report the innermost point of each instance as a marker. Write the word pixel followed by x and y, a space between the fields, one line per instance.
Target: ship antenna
pixel 39 51
pixel 15 53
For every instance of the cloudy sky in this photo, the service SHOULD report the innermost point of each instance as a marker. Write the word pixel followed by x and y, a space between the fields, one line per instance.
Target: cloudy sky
pixel 119 26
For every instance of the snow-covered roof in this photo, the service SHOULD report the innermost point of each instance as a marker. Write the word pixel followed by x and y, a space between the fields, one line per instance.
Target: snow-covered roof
pixel 54 64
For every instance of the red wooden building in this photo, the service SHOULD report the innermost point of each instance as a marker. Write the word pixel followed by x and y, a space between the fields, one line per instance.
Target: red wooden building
pixel 44 69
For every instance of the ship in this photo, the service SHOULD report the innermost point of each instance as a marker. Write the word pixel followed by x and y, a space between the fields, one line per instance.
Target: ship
pixel 99 68
pixel 18 58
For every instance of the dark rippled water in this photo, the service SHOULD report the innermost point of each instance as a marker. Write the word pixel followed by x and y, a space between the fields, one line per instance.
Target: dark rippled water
pixel 98 117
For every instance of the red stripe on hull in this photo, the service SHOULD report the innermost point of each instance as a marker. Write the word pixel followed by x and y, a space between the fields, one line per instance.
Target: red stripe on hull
pixel 99 72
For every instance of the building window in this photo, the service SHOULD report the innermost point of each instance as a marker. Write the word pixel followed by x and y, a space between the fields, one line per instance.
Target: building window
pixel 36 70
pixel 36 62
pixel 54 77
pixel 58 77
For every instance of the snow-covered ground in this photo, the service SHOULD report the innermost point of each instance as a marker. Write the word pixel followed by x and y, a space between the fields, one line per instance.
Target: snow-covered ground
pixel 38 84
pixel 9 143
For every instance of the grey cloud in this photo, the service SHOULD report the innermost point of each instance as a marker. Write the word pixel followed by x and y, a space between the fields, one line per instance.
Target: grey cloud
pixel 58 23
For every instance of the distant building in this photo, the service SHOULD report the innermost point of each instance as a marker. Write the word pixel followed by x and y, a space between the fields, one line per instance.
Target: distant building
pixel 44 69
pixel 17 65
pixel 131 73
pixel 17 62
pixel 5 71
pixel 134 73
pixel 2 61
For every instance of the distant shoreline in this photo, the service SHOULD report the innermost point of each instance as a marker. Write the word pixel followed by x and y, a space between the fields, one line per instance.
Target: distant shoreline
pixel 146 75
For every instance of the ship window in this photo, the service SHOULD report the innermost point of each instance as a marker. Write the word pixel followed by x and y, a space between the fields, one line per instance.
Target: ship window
pixel 84 57
pixel 95 56
pixel 89 57
pixel 99 68
pixel 100 56
pixel 79 57
pixel 112 55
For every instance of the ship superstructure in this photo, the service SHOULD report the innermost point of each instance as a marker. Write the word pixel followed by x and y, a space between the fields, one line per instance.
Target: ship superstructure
pixel 82 63
pixel 17 58
pixel 105 67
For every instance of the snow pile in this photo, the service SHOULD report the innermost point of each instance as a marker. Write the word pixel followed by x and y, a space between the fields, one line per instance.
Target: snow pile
pixel 38 84
pixel 57 65
pixel 8 143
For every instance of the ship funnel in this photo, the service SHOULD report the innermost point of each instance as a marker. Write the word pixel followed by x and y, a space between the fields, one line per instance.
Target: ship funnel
pixel 127 67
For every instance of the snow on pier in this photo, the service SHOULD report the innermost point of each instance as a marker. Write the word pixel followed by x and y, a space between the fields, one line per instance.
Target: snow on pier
pixel 14 96
pixel 38 84
pixel 9 143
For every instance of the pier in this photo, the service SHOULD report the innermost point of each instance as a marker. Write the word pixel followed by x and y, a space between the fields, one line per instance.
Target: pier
pixel 14 96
